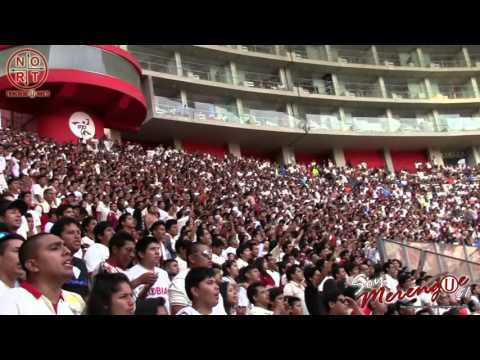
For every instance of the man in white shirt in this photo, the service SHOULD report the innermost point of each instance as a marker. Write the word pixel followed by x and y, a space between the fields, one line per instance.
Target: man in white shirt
pixel 39 188
pixel 98 252
pixel 244 255
pixel 10 268
pixel 259 298
pixel 391 282
pixel 217 247
pixel 272 269
pixel 181 247
pixel 48 264
pixel 202 290
pixel 295 285
pixel 159 232
pixel 11 213
pixel 148 252
pixel 198 255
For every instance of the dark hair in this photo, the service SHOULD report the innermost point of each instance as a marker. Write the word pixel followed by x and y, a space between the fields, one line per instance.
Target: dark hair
pixel 291 300
pixel 181 244
pixel 291 270
pixel 60 225
pixel 242 248
pixel 22 195
pixel 29 248
pixel 193 249
pixel 224 292
pixel 217 242
pixel 170 223
pixel 99 229
pixel 144 242
pixel 121 220
pixel 309 272
pixel 6 238
pixel 195 277
pixel 273 293
pixel 149 306
pixel 119 240
pixel 155 225
pixel 226 266
pixel 86 222
pixel 336 270
pixel 104 286
pixel 59 211
pixel 252 291
pixel 330 296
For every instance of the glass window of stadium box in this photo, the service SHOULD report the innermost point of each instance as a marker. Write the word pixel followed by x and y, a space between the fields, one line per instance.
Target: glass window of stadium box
pixel 263 113
pixel 390 55
pixel 313 83
pixel 256 76
pixel 452 88
pixel 320 118
pixel 366 120
pixel 454 156
pixel 459 120
pixel 155 58
pixel 309 52
pixel 352 54
pixel 211 107
pixel 206 69
pixel 263 49
pixel 402 88
pixel 474 55
pixel 359 86
pixel 168 101
pixel 443 56
pixel 412 121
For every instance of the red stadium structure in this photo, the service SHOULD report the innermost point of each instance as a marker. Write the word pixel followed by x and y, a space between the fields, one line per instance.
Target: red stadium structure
pixel 99 84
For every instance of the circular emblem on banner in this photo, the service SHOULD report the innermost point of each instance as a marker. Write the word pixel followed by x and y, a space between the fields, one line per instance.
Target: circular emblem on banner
pixel 27 69
pixel 82 125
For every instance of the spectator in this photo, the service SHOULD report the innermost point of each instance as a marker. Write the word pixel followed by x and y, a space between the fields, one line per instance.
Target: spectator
pixel 259 298
pixel 229 293
pixel 218 245
pixel 295 286
pixel 148 253
pixel 202 290
pixel 88 231
pixel 155 306
pixel 111 294
pixel 230 271
pixel 99 252
pixel 295 306
pixel 272 269
pixel 247 276
pixel 65 211
pixel 10 269
pixel 181 246
pixel 159 233
pixel 313 277
pixel 69 231
pixel 277 301
pixel 244 254
pixel 48 265
pixel 11 213
pixel 172 269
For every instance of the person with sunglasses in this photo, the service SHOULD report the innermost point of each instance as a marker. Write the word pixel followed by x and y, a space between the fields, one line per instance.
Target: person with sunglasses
pixel 198 256
pixel 10 268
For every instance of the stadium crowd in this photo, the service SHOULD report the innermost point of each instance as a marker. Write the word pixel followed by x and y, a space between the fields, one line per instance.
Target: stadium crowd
pixel 105 228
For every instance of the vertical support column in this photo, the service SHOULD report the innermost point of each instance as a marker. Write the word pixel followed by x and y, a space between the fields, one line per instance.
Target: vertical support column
pixel 475 156
pixel 435 156
pixel 336 87
pixel 373 50
pixel 177 143
pixel 233 70
pixel 388 160
pixel 291 116
pixel 183 97
pixel 328 52
pixel 339 157
pixel 277 50
pixel 283 78
pixel 240 110
pixel 436 121
pixel 474 82
pixel 466 56
pixel 178 62
pixel 235 150
pixel 383 88
pixel 389 114
pixel 289 78
pixel 428 88
pixel 150 96
pixel 341 116
pixel 421 60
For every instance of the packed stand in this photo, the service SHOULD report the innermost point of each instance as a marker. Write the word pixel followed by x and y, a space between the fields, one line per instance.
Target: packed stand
pixel 118 229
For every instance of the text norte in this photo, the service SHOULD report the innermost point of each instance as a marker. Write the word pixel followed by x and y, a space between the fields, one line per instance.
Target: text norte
pixel 390 296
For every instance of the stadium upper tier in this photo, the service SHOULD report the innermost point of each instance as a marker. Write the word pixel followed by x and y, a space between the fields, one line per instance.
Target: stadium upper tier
pixel 389 90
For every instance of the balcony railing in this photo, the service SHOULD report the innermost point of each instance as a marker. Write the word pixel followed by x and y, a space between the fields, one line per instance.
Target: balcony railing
pixel 396 91
pixel 367 124
pixel 156 62
pixel 454 92
pixel 475 59
pixel 446 60
pixel 355 56
pixel 264 49
pixel 412 125
pixel 207 72
pixel 312 86
pixel 268 118
pixel 447 123
pixel 260 80
pixel 360 90
pixel 302 53
pixel 323 122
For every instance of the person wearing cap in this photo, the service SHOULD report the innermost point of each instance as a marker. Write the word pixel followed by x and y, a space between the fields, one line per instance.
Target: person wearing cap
pixel 48 265
pixel 10 269
pixel 11 213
